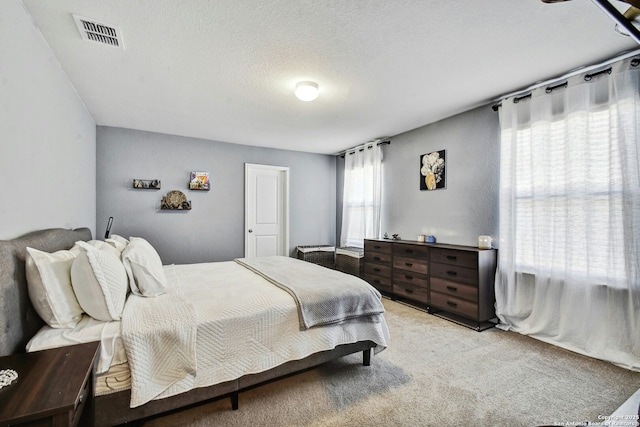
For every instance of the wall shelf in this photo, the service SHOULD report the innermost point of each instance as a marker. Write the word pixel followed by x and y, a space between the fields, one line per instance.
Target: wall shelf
pixel 187 208
pixel 146 184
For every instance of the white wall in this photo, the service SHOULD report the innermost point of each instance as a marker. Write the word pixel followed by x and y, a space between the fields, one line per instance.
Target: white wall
pixel 213 230
pixel 47 137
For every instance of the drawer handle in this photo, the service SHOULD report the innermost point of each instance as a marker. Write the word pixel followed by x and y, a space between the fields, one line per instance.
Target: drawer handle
pixel 409 291
pixel 376 281
pixel 376 270
pixel 376 258
pixel 452 257
pixel 409 251
pixel 452 273
pixel 406 276
pixel 452 304
pixel 378 247
pixel 452 288
pixel 408 264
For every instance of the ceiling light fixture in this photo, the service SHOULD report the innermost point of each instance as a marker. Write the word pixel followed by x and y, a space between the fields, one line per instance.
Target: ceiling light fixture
pixel 307 91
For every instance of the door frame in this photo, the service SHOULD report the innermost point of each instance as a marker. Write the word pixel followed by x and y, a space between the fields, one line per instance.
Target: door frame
pixel 284 228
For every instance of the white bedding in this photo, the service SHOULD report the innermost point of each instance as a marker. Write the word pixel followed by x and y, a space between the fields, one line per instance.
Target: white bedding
pixel 87 330
pixel 246 325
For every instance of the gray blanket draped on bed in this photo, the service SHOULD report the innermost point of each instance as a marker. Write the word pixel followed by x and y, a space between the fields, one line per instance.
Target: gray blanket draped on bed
pixel 323 296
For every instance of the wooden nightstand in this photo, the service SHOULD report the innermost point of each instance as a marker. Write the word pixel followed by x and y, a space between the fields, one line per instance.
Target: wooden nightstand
pixel 54 387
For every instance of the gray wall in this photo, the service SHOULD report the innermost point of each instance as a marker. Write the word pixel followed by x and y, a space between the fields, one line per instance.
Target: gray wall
pixel 47 137
pixel 468 206
pixel 214 229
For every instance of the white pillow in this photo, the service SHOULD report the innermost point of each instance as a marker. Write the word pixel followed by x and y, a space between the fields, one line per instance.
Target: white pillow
pixel 117 242
pixel 49 284
pixel 100 282
pixel 102 245
pixel 144 267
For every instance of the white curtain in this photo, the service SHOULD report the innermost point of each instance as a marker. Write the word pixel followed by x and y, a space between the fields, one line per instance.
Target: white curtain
pixel 569 257
pixel 362 195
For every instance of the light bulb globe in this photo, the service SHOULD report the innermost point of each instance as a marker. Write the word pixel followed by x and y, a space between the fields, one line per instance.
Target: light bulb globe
pixel 306 91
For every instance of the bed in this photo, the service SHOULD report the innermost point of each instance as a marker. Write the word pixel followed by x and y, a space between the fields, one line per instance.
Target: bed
pixel 250 325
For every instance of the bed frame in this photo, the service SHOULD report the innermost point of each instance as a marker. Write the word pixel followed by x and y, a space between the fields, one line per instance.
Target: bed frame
pixel 19 322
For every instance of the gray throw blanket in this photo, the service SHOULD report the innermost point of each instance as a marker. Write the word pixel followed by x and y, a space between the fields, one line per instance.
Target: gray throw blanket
pixel 323 296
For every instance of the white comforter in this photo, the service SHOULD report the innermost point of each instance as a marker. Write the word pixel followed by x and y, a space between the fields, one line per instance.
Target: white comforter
pixel 244 323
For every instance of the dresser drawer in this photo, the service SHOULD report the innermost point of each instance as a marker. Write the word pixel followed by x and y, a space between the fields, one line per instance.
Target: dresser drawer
pixel 454 273
pixel 411 251
pixel 378 269
pixel 454 305
pixel 407 290
pixel 409 277
pixel 376 246
pixel 454 289
pixel 453 257
pixel 377 258
pixel 380 283
pixel 411 264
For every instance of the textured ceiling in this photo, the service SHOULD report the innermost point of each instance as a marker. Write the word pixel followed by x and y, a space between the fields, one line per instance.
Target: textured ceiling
pixel 225 70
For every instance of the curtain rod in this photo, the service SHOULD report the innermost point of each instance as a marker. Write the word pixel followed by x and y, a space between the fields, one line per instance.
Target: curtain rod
pixel 381 141
pixel 557 82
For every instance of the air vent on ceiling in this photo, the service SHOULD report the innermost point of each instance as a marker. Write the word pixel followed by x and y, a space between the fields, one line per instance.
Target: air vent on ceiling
pixel 99 32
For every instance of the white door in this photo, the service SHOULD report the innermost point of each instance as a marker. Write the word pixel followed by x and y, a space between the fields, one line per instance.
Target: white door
pixel 266 210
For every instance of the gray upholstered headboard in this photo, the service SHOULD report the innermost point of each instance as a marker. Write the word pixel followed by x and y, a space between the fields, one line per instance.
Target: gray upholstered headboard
pixel 18 320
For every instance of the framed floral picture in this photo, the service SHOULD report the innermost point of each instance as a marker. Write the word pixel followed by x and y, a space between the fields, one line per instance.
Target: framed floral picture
pixel 432 170
pixel 199 181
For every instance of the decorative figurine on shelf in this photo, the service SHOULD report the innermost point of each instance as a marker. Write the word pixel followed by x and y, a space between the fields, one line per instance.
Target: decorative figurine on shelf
pixel 175 200
pixel 430 239
pixel 395 236
pixel 386 236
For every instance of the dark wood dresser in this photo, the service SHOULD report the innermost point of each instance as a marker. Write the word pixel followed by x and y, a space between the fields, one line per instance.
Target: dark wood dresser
pixel 453 281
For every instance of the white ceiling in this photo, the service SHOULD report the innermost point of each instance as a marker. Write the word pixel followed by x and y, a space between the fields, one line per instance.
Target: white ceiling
pixel 225 70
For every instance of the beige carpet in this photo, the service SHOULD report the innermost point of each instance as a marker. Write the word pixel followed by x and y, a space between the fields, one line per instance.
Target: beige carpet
pixel 434 373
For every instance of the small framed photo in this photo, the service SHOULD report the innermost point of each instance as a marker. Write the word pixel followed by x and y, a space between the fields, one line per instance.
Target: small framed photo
pixel 199 181
pixel 432 171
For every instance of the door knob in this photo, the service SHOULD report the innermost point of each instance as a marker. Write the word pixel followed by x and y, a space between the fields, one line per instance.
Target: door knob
pixel 250 231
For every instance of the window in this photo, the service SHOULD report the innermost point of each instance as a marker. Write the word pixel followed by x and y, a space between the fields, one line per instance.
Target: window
pixel 569 252
pixel 362 196
pixel 569 198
